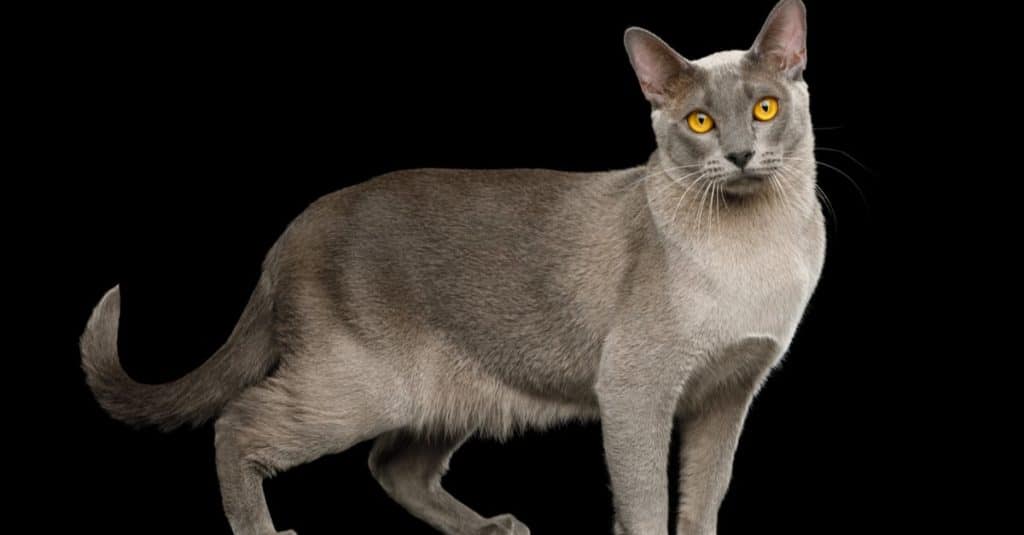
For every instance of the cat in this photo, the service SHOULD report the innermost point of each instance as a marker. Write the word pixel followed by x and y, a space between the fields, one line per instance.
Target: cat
pixel 423 307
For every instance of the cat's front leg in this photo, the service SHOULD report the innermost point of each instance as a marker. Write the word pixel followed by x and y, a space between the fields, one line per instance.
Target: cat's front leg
pixel 637 402
pixel 636 428
pixel 706 455
pixel 710 433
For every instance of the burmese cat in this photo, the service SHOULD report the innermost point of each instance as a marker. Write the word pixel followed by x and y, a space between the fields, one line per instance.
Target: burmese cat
pixel 423 307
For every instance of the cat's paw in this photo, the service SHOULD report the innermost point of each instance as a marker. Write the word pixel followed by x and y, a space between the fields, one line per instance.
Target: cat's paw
pixel 504 525
pixel 289 532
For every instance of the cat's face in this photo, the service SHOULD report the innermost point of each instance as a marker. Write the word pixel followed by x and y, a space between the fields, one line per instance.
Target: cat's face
pixel 738 118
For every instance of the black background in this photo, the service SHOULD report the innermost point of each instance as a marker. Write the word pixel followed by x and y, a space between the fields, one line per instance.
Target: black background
pixel 172 148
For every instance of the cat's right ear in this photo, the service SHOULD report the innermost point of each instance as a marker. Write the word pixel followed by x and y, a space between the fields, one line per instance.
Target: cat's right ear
pixel 782 44
pixel 659 68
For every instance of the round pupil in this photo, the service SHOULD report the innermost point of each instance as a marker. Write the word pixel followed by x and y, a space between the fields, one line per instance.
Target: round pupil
pixel 700 119
pixel 765 105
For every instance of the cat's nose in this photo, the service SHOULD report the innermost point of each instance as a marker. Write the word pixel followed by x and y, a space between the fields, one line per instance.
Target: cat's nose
pixel 740 158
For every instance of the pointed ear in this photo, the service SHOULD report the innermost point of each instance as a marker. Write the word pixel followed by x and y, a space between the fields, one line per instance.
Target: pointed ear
pixel 782 44
pixel 657 66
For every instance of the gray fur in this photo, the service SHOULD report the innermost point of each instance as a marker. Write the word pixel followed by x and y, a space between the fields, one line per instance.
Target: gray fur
pixel 242 361
pixel 423 307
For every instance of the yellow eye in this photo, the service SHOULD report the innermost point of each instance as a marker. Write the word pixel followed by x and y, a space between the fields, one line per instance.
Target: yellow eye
pixel 700 122
pixel 766 109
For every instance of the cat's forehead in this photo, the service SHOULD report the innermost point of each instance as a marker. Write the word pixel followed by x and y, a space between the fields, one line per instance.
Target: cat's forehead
pixel 726 72
pixel 721 61
pixel 728 77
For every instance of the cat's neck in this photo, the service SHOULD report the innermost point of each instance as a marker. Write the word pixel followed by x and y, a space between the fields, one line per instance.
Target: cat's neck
pixel 688 212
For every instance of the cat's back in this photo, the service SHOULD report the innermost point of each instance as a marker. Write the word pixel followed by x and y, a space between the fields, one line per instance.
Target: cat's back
pixel 515 269
pixel 418 217
pixel 499 193
pixel 413 205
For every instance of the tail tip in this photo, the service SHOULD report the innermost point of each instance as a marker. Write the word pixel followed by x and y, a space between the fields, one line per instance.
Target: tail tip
pixel 102 325
pixel 109 303
pixel 113 295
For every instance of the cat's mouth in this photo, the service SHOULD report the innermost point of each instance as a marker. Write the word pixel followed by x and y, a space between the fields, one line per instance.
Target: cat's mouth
pixel 743 184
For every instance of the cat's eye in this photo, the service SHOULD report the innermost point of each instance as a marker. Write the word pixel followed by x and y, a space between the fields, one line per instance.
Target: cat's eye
pixel 700 122
pixel 766 109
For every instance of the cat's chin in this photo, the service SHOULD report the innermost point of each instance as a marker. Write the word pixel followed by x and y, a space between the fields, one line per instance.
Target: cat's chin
pixel 744 185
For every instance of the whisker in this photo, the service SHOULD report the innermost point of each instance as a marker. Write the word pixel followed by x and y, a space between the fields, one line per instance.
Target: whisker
pixel 783 196
pixel 661 171
pixel 848 155
pixel 797 202
pixel 720 198
pixel 700 213
pixel 773 181
pixel 657 196
pixel 828 205
pixel 791 172
pixel 683 196
pixel 799 173
pixel 700 206
pixel 821 195
pixel 844 174
pixel 712 206
pixel 673 181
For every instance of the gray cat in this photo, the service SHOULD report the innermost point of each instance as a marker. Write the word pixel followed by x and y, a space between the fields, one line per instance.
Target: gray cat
pixel 423 307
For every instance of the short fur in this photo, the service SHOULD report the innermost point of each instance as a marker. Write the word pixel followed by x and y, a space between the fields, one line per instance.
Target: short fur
pixel 426 306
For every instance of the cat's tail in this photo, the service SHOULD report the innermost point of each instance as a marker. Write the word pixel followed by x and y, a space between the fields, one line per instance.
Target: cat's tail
pixel 246 358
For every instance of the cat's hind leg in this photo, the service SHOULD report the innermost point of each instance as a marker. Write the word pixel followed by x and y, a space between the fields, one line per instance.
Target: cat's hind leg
pixel 283 422
pixel 409 468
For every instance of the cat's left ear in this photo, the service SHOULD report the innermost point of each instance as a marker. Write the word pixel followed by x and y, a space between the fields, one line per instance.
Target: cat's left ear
pixel 782 44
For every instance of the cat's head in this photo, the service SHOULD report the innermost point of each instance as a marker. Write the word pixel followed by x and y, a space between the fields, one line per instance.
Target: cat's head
pixel 738 118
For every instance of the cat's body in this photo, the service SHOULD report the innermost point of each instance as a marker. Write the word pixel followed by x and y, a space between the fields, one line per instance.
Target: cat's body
pixel 424 306
pixel 556 261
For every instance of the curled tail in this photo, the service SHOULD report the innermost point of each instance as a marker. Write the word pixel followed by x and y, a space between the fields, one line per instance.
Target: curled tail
pixel 246 357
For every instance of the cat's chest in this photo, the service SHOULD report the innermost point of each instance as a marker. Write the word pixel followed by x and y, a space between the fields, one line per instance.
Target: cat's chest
pixel 749 289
